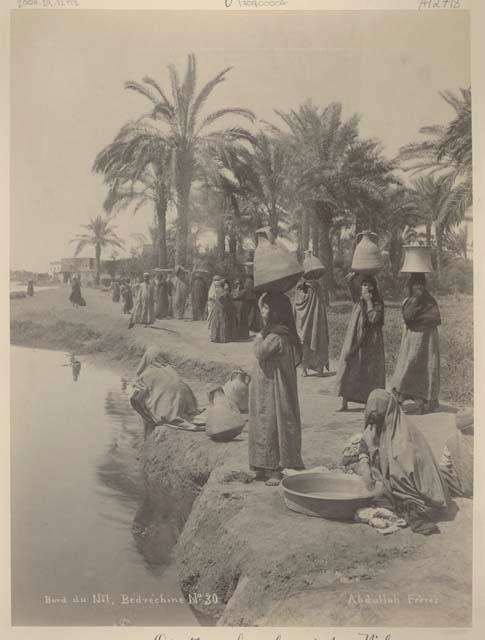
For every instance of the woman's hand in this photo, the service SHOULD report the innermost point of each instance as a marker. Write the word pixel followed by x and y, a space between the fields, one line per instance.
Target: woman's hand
pixel 369 437
pixel 350 276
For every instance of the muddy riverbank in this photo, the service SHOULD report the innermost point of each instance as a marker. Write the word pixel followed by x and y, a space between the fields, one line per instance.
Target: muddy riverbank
pixel 240 553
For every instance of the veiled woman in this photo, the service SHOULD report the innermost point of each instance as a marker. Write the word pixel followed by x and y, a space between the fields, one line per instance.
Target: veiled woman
pixel 76 297
pixel 161 296
pixel 143 311
pixel 115 297
pixel 395 451
pixel 198 295
pixel 126 296
pixel 179 293
pixel 361 368
pixel 241 303
pixel 312 326
pixel 215 291
pixel 223 321
pixel 274 410
pixel 417 374
pixel 254 314
pixel 160 395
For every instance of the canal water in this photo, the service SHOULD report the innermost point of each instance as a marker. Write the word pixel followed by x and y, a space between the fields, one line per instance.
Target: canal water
pixel 75 489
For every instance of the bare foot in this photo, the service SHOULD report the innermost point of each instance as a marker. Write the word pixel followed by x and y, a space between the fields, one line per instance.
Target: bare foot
pixel 259 474
pixel 272 482
pixel 344 407
pixel 274 479
pixel 304 373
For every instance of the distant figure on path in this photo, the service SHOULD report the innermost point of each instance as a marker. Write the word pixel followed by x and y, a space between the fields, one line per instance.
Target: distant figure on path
pixel 126 296
pixel 361 368
pixel 241 303
pixel 254 314
pixel 215 290
pixel 161 296
pixel 312 326
pixel 30 288
pixel 179 293
pixel 223 323
pixel 143 311
pixel 199 295
pixel 116 292
pixel 417 374
pixel 76 298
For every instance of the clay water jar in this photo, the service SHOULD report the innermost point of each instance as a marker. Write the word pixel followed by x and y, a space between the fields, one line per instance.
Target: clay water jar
pixel 417 259
pixel 367 255
pixel 276 268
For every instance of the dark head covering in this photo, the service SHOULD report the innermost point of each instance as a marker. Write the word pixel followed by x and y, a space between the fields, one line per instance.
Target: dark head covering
pixel 281 320
pixel 371 280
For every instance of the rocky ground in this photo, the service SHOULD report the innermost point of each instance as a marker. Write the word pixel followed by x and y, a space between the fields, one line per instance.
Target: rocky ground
pixel 260 563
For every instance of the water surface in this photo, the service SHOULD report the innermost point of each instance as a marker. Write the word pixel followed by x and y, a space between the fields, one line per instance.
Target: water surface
pixel 76 486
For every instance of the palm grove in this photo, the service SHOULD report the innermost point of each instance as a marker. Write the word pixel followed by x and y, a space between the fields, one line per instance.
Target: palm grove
pixel 310 177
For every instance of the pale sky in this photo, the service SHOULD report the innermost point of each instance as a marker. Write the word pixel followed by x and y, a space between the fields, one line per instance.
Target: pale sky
pixel 68 101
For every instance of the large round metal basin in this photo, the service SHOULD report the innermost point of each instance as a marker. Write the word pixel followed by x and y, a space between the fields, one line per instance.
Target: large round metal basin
pixel 335 496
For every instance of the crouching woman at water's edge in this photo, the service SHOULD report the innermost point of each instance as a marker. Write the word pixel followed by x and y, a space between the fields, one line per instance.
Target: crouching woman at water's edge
pixel 274 410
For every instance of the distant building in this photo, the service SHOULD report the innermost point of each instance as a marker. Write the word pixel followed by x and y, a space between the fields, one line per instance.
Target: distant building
pixel 55 269
pixel 65 268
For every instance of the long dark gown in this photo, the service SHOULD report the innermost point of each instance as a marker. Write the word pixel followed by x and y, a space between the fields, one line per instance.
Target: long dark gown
pixel 255 320
pixel 223 323
pixel 242 313
pixel 199 297
pixel 161 299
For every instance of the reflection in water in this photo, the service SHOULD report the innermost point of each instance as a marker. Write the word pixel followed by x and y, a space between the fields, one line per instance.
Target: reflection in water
pixel 76 487
pixel 154 536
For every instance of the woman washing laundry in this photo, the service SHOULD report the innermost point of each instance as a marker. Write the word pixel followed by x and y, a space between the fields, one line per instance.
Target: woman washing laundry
pixel 274 410
pixel 394 450
pixel 160 395
pixel 361 367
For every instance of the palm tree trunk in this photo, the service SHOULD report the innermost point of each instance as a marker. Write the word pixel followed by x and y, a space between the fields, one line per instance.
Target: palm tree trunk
pixel 428 234
pixel 98 264
pixel 325 218
pixel 233 247
pixel 315 226
pixel 162 233
pixel 273 220
pixel 221 237
pixel 439 251
pixel 183 184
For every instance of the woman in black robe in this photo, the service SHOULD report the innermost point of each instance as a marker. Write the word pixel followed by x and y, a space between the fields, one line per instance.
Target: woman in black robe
pixel 242 310
pixel 76 298
pixel 223 325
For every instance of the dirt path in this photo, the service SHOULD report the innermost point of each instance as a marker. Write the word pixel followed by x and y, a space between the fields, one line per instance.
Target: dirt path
pixel 266 564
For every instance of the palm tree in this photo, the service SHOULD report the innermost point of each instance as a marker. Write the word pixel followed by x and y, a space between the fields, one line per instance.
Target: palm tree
pixel 178 122
pixel 137 168
pixel 431 195
pixel 100 234
pixel 448 150
pixel 337 172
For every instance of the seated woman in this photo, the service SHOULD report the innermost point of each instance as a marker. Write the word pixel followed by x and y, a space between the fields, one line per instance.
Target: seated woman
pixel 393 449
pixel 457 463
pixel 160 395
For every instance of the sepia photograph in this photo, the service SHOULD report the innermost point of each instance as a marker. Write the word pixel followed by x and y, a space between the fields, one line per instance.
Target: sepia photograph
pixel 241 318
